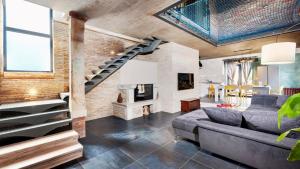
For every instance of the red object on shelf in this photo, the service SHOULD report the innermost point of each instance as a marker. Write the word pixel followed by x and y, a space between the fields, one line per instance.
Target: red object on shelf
pixel 290 91
pixel 225 105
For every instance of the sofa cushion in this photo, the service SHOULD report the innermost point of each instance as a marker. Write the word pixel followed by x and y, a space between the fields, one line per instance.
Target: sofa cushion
pixel 264 100
pixel 224 116
pixel 188 121
pixel 281 100
pixel 267 121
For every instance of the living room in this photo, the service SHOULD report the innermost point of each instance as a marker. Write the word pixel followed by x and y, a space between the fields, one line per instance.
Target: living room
pixel 149 84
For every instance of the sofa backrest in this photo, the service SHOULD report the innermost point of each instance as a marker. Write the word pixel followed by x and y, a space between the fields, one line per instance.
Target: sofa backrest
pixel 264 100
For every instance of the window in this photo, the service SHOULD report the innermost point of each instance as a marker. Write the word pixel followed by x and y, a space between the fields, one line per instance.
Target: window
pixel 239 73
pixel 27 37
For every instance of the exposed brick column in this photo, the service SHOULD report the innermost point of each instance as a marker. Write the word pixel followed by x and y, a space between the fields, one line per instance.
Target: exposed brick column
pixel 77 68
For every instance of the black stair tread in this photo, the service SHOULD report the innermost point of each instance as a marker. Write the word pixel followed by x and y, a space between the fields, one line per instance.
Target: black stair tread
pixel 144 45
pixel 102 66
pixel 19 127
pixel 138 49
pixel 32 115
pixel 94 76
pixel 163 42
pixel 97 71
pixel 151 48
pixel 112 66
pixel 34 130
pixel 31 103
pixel 3 129
pixel 121 59
pixel 125 57
pixel 5 115
pixel 154 38
pixel 131 52
pixel 89 83
pixel 149 39
pixel 97 76
pixel 114 61
pixel 105 71
pixel 90 77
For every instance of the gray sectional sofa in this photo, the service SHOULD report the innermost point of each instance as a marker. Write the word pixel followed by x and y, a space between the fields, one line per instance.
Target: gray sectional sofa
pixel 247 137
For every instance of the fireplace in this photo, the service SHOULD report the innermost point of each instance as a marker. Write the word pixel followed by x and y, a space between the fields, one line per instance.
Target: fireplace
pixel 143 92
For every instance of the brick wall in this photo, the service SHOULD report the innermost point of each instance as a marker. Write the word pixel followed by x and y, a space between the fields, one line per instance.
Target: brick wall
pixel 15 89
pixel 98 49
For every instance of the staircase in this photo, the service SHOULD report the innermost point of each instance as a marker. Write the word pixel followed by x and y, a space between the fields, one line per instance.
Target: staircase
pixel 32 120
pixel 111 66
pixel 45 152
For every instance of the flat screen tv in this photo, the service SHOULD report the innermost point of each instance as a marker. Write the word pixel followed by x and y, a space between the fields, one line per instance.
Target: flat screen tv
pixel 185 81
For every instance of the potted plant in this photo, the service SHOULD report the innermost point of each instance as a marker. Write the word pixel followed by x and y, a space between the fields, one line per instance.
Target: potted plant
pixel 290 109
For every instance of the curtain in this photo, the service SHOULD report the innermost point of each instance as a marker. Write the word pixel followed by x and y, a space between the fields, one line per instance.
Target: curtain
pixel 246 67
pixel 231 71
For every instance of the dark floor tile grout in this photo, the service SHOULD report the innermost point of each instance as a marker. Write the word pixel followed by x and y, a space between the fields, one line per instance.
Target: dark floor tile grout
pixel 128 156
pixel 200 162
pixel 187 161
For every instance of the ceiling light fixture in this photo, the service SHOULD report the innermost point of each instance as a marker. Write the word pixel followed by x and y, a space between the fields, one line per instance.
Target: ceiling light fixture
pixel 279 53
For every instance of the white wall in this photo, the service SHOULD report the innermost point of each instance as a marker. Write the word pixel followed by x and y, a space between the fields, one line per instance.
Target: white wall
pixel 184 60
pixel 212 70
pixel 138 72
pixel 174 59
pixel 169 60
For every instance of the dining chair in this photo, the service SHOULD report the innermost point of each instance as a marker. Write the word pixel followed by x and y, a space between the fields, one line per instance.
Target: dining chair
pixel 211 91
pixel 245 92
pixel 232 92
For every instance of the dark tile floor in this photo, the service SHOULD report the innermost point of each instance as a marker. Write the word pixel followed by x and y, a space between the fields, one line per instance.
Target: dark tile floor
pixel 113 143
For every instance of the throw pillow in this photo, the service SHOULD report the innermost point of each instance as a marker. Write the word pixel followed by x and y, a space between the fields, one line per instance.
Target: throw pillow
pixel 224 116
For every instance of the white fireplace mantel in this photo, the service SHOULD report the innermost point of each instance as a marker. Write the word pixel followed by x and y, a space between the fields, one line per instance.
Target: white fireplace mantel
pixel 129 109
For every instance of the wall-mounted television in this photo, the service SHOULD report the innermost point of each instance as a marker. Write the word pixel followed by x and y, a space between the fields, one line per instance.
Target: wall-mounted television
pixel 185 81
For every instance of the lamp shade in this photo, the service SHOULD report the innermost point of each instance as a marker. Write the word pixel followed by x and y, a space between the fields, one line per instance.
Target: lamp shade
pixel 278 53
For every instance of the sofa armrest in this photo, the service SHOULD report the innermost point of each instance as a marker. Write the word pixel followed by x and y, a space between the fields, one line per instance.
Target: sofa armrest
pixel 257 136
